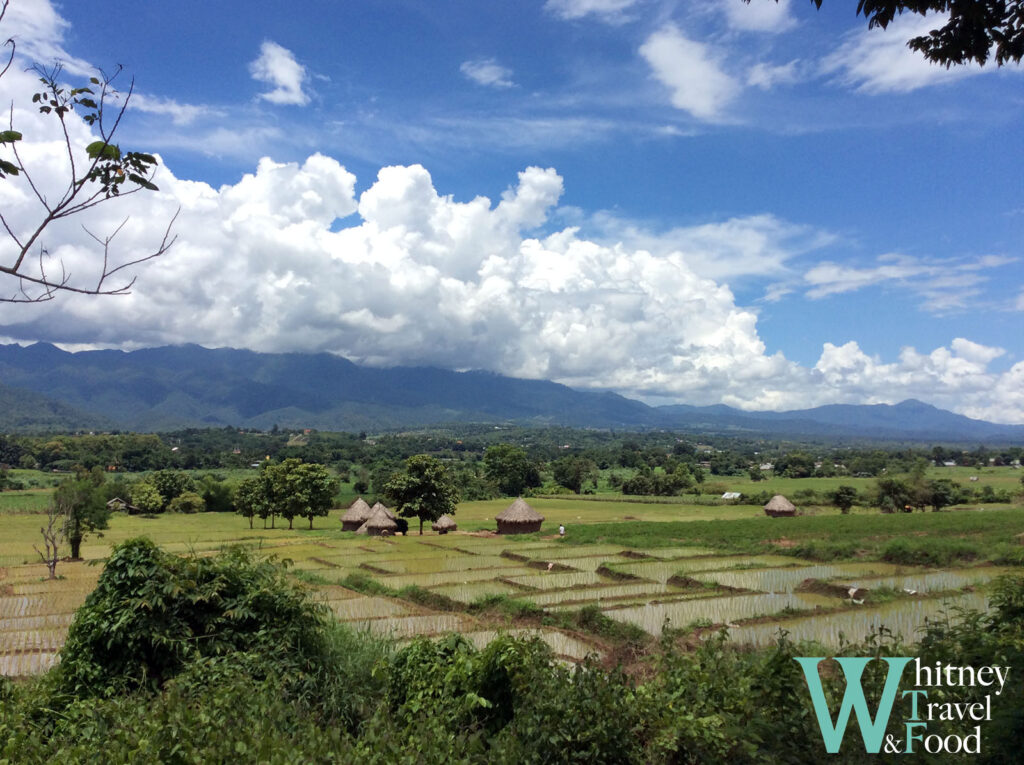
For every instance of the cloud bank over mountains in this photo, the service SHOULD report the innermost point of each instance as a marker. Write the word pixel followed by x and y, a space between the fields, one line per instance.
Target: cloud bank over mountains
pixel 293 258
pixel 299 256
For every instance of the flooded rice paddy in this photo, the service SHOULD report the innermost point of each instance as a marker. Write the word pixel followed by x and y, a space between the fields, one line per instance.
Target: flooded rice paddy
pixel 651 588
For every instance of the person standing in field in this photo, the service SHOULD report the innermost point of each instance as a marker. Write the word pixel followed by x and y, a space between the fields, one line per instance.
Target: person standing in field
pixel 561 530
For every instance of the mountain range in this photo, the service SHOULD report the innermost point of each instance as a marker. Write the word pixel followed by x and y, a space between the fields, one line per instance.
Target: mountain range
pixel 43 388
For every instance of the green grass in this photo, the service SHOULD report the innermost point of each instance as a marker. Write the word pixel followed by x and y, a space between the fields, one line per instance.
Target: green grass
pixel 27 501
pixel 931 538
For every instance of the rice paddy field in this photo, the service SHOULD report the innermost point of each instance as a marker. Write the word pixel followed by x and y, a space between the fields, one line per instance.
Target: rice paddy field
pixel 657 567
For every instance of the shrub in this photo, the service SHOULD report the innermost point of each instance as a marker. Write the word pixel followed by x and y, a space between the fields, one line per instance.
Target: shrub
pixel 189 502
pixel 152 612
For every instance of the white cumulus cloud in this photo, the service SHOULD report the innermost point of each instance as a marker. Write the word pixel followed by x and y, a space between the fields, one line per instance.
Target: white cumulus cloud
pixel 295 257
pixel 691 72
pixel 276 66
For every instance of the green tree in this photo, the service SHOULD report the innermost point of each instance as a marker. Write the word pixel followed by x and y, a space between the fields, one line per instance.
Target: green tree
pixel 171 484
pixel 894 495
pixel 301 489
pixel 424 490
pixel 152 612
pixel 80 502
pixel 970 31
pixel 510 469
pixel 941 493
pixel 217 494
pixel 145 497
pixel 844 498
pixel 573 472
pixel 251 499
pixel 189 502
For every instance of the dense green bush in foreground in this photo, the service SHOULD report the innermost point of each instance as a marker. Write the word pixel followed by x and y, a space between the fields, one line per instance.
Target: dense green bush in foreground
pixel 204 660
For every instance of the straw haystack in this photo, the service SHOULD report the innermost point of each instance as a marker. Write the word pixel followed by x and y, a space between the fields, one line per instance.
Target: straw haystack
pixel 379 524
pixel 357 514
pixel 387 510
pixel 444 524
pixel 519 518
pixel 779 507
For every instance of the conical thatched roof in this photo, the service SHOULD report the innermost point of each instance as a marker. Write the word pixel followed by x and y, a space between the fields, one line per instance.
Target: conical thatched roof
pixel 444 523
pixel 380 520
pixel 387 511
pixel 519 512
pixel 358 511
pixel 778 504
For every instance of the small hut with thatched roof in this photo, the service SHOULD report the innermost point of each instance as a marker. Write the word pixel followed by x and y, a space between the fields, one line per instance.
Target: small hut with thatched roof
pixel 519 518
pixel 387 510
pixel 357 514
pixel 779 507
pixel 444 524
pixel 379 524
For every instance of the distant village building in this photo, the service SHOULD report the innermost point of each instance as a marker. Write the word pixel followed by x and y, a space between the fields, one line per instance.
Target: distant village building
pixel 357 514
pixel 444 524
pixel 519 518
pixel 779 507
pixel 118 505
pixel 379 524
pixel 387 510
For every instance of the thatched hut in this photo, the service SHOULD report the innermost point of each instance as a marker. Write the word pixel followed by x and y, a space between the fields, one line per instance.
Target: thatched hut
pixel 387 510
pixel 519 518
pixel 444 524
pixel 779 507
pixel 379 524
pixel 357 514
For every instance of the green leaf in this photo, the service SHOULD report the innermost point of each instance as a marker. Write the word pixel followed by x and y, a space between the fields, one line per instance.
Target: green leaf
pixel 9 136
pixel 7 168
pixel 103 150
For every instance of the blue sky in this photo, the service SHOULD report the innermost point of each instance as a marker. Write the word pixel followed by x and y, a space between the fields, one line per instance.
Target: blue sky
pixel 765 205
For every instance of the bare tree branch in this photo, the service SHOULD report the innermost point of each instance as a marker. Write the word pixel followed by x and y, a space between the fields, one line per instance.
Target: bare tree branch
pixel 109 172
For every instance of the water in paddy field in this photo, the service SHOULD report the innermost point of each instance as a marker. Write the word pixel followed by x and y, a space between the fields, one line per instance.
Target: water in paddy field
pixel 562 644
pixel 556 580
pixel 787 579
pixel 672 553
pixel 662 571
pixel 440 578
pixel 411 626
pixel 905 617
pixel 722 610
pixel 471 591
pixel 438 563
pixel 935 581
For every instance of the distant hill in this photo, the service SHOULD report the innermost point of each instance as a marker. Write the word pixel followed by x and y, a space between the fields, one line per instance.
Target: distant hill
pixel 22 410
pixel 908 420
pixel 188 386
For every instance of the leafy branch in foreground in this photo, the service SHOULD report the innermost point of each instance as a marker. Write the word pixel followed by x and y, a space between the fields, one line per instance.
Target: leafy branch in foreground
pixel 968 31
pixel 105 171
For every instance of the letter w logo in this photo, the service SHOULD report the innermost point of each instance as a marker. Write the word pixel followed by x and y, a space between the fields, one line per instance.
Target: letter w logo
pixel 871 731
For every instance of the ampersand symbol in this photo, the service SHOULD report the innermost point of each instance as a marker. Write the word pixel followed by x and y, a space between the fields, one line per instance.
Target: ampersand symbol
pixel 892 744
